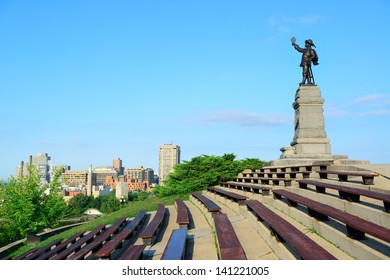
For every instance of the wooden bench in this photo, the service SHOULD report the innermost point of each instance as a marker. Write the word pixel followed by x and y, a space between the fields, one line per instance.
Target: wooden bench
pixel 25 254
pixel 279 174
pixel 240 199
pixel 210 205
pixel 176 246
pixel 368 178
pixel 264 180
pixel 182 214
pixel 135 252
pixel 306 248
pixel 109 247
pixel 298 168
pixel 151 231
pixel 43 250
pixel 247 187
pixel 61 247
pixel 79 243
pixel 356 226
pixel 229 246
pixel 97 243
pixel 348 193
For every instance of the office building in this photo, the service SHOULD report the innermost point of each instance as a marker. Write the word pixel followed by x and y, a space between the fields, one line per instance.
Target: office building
pixel 169 156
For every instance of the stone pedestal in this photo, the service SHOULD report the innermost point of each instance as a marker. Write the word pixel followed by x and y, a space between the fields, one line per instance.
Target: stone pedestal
pixel 310 140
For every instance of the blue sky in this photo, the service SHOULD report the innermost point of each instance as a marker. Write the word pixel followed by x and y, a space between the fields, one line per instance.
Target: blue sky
pixel 90 81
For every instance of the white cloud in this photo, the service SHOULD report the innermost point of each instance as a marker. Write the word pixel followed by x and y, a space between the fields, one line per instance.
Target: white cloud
pixel 368 98
pixel 243 119
pixel 335 112
pixel 376 113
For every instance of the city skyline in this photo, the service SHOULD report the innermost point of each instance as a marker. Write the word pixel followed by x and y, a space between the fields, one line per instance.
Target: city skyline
pixel 87 82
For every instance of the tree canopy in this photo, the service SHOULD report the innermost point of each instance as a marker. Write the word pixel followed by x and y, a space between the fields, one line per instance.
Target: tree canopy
pixel 204 171
pixel 27 205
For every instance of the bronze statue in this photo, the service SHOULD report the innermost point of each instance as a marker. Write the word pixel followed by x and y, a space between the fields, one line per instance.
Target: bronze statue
pixel 309 55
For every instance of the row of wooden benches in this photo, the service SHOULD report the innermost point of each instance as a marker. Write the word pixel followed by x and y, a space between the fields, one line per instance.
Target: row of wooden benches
pixel 102 241
pixel 277 177
pixel 349 193
pixel 356 226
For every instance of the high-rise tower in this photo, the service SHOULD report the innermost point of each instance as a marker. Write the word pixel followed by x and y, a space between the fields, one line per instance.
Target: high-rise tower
pixel 169 156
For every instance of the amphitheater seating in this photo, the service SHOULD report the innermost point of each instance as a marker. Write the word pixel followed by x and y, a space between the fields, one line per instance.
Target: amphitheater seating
pixel 348 193
pixel 116 241
pixel 356 226
pixel 368 178
pixel 229 246
pixel 240 199
pixel 176 246
pixel 98 241
pixel 61 246
pixel 134 252
pixel 182 214
pixel 86 239
pixel 247 187
pixel 149 234
pixel 43 250
pixel 208 203
pixel 286 232
pixel 264 180
pixel 25 254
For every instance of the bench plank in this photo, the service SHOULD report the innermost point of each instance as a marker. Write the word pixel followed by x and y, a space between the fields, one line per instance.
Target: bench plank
pixel 110 246
pixel 368 178
pixel 356 226
pixel 61 246
pixel 77 245
pixel 182 214
pixel 176 246
pixel 240 199
pixel 134 252
pixel 208 203
pixel 98 241
pixel 229 246
pixel 247 187
pixel 43 250
pixel 349 193
pixel 303 245
pixel 153 227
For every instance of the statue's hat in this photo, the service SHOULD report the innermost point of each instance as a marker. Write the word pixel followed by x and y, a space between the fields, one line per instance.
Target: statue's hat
pixel 310 41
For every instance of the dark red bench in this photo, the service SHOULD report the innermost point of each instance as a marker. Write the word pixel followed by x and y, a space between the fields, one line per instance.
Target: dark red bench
pixel 176 246
pixel 135 252
pixel 240 199
pixel 349 193
pixel 61 247
pixel 116 241
pixel 97 243
pixel 356 226
pixel 79 243
pixel 306 248
pixel 182 214
pixel 368 178
pixel 151 231
pixel 210 205
pixel 229 246
pixel 247 187
pixel 43 250
pixel 25 254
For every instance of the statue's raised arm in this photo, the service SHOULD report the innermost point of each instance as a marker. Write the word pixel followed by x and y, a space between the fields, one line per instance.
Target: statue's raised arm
pixel 309 55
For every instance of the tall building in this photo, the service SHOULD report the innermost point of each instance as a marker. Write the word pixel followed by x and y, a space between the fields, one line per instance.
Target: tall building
pixel 169 156
pixel 43 164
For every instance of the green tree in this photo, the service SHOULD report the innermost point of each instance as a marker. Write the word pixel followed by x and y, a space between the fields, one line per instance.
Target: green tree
pixel 79 203
pixel 27 205
pixel 202 172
